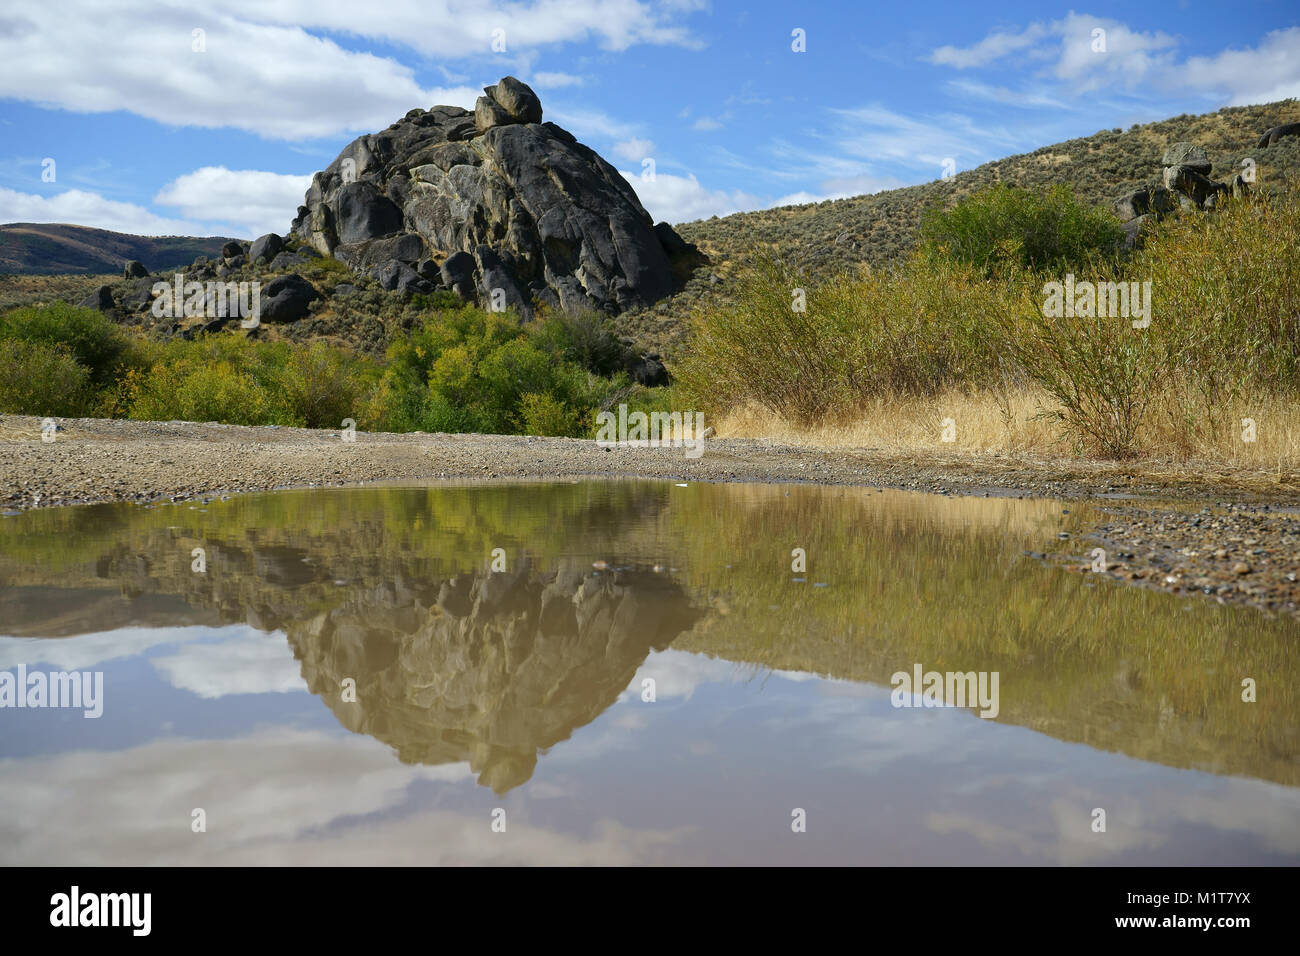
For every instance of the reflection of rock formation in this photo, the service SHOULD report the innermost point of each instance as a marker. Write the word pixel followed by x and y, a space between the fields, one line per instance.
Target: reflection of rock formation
pixel 501 666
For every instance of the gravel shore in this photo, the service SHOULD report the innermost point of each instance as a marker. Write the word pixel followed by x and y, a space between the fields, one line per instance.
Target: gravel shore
pixel 1234 536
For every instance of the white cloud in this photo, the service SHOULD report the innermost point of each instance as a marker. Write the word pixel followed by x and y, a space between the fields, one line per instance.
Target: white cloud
pixel 263 69
pixel 1264 74
pixel 842 188
pixel 1035 99
pixel 634 150
pixel 83 208
pixel 1128 59
pixel 1131 59
pixel 590 123
pixel 282 796
pixel 993 47
pixel 276 82
pixel 706 123
pixel 869 135
pixel 682 198
pixel 461 28
pixel 84 651
pixel 252 202
pixel 543 80
pixel 679 673
pixel 207 661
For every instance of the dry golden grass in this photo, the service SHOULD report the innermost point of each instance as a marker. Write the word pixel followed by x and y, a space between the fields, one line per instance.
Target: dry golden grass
pixel 989 423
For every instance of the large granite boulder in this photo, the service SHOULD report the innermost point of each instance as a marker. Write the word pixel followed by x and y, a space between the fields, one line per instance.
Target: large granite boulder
pixel 1192 184
pixel 265 247
pixel 287 298
pixel 498 205
pixel 101 299
pixel 1189 155
pixel 1272 136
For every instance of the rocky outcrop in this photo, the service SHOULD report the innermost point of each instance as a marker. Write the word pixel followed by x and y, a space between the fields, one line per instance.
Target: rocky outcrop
pixel 494 204
pixel 1185 186
pixel 1272 136
pixel 265 248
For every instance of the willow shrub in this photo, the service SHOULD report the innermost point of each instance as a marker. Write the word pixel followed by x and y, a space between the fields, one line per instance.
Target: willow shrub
pixel 1010 227
pixel 812 353
pixel 1224 330
pixel 471 370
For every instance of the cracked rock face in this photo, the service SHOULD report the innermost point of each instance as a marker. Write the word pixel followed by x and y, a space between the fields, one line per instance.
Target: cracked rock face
pixel 519 208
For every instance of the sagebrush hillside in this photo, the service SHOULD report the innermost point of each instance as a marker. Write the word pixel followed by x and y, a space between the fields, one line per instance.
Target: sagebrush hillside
pixel 818 240
pixel 882 227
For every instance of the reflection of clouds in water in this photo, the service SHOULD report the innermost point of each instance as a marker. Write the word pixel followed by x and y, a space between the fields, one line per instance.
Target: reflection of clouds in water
pixel 87 650
pixel 864 733
pixel 678 673
pixel 208 661
pixel 245 661
pixel 276 797
pixel 1262 811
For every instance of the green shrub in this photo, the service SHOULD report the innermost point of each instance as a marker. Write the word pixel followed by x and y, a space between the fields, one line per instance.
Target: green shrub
pixel 90 337
pixel 543 414
pixel 589 340
pixel 1009 227
pixel 322 386
pixel 187 391
pixel 471 370
pixel 39 378
pixel 912 330
pixel 1103 373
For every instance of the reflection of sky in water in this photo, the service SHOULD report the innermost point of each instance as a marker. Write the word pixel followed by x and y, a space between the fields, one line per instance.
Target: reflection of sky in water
pixel 217 718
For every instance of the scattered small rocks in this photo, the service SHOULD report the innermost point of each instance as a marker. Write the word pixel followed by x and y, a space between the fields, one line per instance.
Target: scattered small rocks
pixel 1235 552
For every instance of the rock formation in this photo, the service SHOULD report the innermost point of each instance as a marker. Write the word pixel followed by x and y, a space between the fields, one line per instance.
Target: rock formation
pixel 493 204
pixel 1185 186
pixel 1275 134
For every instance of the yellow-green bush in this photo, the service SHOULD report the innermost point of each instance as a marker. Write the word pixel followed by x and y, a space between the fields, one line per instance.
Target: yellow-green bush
pixel 37 378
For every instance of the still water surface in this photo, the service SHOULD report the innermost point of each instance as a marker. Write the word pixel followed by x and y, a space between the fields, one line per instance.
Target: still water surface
pixel 523 696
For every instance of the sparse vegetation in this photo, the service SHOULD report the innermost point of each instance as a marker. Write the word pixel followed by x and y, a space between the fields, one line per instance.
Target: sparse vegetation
pixel 1224 337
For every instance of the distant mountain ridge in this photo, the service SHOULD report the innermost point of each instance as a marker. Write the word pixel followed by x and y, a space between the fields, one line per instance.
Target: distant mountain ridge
pixel 28 248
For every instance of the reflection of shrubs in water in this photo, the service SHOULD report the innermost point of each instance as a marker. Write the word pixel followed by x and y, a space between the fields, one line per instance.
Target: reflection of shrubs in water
pixel 500 666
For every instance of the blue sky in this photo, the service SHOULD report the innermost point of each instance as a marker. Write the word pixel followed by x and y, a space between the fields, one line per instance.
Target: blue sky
pixel 149 135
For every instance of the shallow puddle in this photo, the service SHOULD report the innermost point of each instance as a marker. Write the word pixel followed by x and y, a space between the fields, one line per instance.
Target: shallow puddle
pixel 349 676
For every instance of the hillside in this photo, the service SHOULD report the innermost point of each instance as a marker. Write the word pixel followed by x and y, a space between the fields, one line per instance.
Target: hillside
pixel 56 249
pixel 880 227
